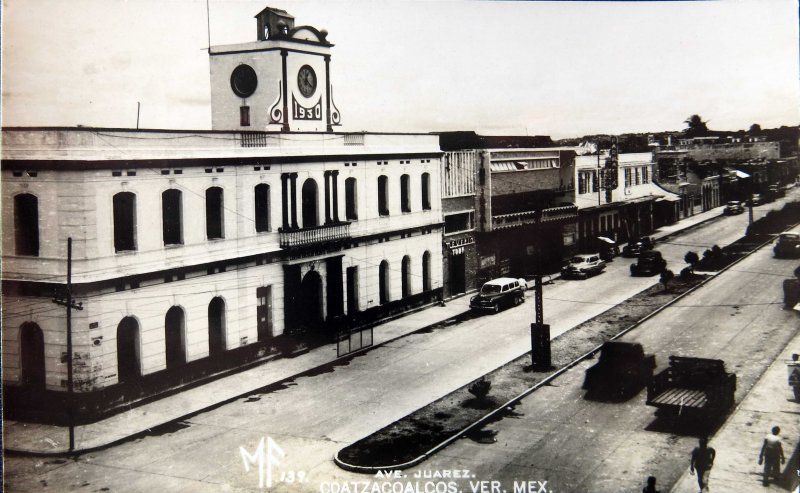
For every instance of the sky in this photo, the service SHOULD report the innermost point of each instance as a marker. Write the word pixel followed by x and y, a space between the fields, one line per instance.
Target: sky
pixel 563 69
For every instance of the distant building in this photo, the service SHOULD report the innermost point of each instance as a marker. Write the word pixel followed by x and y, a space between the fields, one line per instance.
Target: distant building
pixel 637 205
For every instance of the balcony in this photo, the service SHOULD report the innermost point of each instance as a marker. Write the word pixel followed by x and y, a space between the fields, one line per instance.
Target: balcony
pixel 295 238
pixel 550 215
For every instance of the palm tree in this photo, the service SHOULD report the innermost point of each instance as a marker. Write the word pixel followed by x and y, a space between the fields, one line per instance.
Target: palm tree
pixel 696 127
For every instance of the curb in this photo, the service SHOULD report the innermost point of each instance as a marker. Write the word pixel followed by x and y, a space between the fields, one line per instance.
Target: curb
pixel 488 417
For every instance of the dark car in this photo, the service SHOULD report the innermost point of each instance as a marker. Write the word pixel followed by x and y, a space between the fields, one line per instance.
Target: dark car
pixel 788 245
pixel 648 264
pixel 635 247
pixel 734 207
pixel 498 293
pixel 622 369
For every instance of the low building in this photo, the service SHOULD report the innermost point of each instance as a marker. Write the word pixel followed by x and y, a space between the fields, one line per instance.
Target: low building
pixel 636 206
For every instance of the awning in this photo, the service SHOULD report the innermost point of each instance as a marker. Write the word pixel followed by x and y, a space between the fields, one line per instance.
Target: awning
pixel 740 174
pixel 607 240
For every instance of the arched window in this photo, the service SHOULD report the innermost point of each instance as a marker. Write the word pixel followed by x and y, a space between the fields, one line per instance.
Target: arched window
pixel 405 199
pixel 175 337
pixel 426 191
pixel 124 221
pixel 216 326
pixel 383 195
pixel 215 222
pixel 26 224
pixel 310 207
pixel 405 272
pixel 32 355
pixel 262 207
pixel 350 199
pixel 128 367
pixel 172 217
pixel 383 282
pixel 426 271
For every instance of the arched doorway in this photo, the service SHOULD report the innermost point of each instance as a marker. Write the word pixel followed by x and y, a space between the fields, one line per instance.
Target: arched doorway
pixel 310 204
pixel 311 300
pixel 128 350
pixel 405 274
pixel 216 326
pixel 383 283
pixel 32 355
pixel 426 270
pixel 174 337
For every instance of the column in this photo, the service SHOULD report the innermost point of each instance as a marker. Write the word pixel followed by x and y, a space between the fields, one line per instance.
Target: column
pixel 335 175
pixel 284 200
pixel 327 197
pixel 293 177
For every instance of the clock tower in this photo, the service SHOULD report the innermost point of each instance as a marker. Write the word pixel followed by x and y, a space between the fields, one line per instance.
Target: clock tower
pixel 280 82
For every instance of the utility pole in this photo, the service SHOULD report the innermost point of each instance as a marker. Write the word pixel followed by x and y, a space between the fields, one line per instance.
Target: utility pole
pixel 71 305
pixel 540 333
pixel 138 107
pixel 750 201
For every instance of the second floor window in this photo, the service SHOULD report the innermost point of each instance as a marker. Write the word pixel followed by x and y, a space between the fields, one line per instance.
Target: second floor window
pixel 426 191
pixel 171 217
pixel 215 202
pixel 383 195
pixel 350 199
pixel 405 200
pixel 26 224
pixel 262 207
pixel 124 204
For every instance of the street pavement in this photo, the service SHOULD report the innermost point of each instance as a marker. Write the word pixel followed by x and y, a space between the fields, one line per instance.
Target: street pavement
pixel 313 416
pixel 578 445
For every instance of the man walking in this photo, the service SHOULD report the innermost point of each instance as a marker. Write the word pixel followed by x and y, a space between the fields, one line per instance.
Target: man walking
pixel 702 461
pixel 772 455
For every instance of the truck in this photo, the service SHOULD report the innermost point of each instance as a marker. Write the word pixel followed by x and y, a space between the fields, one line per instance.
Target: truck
pixel 622 370
pixel 692 386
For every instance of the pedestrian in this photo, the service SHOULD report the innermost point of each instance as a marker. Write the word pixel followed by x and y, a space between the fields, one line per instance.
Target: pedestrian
pixel 772 455
pixel 794 376
pixel 651 486
pixel 702 461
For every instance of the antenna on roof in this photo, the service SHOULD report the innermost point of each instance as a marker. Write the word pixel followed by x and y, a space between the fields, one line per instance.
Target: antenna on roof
pixel 208 25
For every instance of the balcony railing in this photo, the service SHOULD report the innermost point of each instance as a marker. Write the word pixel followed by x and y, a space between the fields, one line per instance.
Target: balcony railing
pixel 293 238
pixel 549 215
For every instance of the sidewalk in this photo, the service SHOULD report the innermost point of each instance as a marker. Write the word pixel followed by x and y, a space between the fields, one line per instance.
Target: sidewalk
pixel 48 439
pixel 769 403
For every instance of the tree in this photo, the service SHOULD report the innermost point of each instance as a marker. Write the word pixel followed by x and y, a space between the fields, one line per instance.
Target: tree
pixel 692 259
pixel 695 127
pixel 755 129
pixel 666 276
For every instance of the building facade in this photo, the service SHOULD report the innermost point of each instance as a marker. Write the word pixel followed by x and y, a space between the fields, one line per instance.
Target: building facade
pixel 637 205
pixel 197 252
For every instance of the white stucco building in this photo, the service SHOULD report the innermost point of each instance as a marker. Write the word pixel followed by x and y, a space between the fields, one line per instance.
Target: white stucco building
pixel 197 251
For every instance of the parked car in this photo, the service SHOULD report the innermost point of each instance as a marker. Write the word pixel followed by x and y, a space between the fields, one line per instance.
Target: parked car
pixel 607 248
pixel 734 207
pixel 776 191
pixel 788 245
pixel 635 247
pixel 623 368
pixel 584 265
pixel 648 264
pixel 498 293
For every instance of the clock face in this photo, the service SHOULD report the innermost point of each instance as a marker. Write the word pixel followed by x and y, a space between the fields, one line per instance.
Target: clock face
pixel 307 81
pixel 244 81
